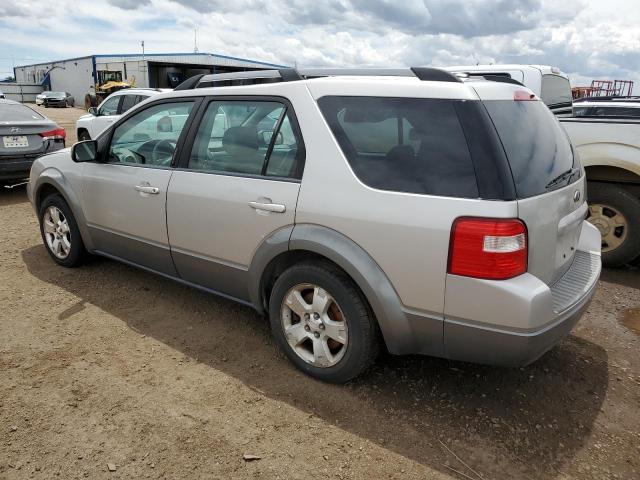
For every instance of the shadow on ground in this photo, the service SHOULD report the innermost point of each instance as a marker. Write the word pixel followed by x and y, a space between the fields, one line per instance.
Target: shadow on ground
pixel 625 276
pixel 507 423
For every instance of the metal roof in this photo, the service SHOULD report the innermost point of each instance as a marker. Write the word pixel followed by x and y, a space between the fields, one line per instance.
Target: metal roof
pixel 147 56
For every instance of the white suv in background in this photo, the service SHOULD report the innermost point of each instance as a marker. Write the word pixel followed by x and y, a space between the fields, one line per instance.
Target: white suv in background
pixel 99 118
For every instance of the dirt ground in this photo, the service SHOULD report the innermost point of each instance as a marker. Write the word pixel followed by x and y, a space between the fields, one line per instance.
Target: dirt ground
pixel 108 366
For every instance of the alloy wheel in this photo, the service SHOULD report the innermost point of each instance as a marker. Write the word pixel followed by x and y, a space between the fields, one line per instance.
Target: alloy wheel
pixel 57 232
pixel 314 325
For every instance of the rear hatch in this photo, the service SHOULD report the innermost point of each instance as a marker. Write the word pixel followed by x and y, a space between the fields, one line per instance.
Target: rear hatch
pixel 548 179
pixel 19 139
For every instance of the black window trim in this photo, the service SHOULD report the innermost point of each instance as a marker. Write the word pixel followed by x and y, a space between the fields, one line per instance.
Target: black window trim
pixel 107 136
pixel 183 161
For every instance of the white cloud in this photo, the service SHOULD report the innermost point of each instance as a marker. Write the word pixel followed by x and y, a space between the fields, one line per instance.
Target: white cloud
pixel 586 39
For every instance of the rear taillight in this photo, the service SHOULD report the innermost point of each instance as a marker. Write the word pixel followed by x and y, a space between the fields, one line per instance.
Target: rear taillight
pixel 494 249
pixel 55 134
pixel 524 96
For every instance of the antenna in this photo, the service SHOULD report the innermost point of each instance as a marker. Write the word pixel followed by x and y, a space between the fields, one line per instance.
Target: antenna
pixel 195 40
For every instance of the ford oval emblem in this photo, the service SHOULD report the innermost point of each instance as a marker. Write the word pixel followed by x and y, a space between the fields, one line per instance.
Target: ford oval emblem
pixel 576 196
pixel 15 129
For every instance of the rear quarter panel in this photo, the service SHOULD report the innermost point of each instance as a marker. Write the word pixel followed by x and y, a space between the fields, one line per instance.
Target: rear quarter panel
pixel 407 235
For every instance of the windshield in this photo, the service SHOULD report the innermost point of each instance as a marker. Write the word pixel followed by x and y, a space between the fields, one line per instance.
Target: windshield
pixel 14 112
pixel 538 149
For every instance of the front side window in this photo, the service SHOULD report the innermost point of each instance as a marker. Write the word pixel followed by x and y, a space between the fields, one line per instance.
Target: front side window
pixel 110 106
pixel 150 136
pixel 412 145
pixel 246 137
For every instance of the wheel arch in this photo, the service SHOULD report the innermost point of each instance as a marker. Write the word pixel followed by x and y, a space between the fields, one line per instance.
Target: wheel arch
pixel 610 173
pixel 302 242
pixel 81 130
pixel 51 181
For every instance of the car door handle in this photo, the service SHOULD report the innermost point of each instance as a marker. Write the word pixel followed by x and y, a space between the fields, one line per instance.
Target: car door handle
pixel 268 207
pixel 147 189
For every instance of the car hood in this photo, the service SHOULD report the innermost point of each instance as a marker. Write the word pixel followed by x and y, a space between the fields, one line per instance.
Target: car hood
pixel 87 116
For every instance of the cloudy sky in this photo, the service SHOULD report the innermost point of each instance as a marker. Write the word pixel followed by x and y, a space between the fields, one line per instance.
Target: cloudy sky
pixel 585 38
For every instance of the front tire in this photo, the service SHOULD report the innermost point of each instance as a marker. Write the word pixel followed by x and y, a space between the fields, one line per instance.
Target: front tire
pixel 60 233
pixel 322 322
pixel 616 214
pixel 83 135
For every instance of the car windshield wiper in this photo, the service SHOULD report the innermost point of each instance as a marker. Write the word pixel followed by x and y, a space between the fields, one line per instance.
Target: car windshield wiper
pixel 560 178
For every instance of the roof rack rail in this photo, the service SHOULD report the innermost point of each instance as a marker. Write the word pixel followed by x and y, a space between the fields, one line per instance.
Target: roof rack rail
pixel 189 83
pixel 434 74
pixel 292 74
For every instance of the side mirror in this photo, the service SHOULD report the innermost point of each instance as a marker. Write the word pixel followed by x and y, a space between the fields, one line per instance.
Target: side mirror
pixel 86 151
pixel 93 111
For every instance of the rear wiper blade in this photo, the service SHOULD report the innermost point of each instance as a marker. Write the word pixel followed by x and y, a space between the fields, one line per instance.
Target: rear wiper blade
pixel 560 178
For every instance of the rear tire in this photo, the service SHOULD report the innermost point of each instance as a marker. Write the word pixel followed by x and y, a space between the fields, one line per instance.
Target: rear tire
pixel 616 214
pixel 60 233
pixel 343 313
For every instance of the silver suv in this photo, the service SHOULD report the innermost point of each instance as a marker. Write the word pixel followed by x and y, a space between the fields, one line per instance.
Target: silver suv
pixel 405 209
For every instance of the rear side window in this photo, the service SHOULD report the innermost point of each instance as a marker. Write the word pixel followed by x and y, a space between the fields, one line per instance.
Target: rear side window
pixel 129 101
pixel 246 138
pixel 606 111
pixel 411 145
pixel 537 148
pixel 556 91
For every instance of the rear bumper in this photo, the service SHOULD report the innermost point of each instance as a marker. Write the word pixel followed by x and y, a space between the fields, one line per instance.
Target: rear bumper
pixel 495 346
pixel 55 103
pixel 15 168
pixel 514 322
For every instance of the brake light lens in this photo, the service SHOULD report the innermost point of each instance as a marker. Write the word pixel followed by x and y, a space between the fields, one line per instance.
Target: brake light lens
pixel 55 134
pixel 524 96
pixel 488 248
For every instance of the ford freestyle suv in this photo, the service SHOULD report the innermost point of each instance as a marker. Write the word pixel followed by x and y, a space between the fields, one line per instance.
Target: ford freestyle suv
pixel 358 209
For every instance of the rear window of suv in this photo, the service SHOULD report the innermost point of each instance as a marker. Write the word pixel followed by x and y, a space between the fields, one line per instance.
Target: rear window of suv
pixel 411 145
pixel 537 148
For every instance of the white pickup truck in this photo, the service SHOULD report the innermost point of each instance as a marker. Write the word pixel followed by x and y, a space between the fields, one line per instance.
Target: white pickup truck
pixel 609 148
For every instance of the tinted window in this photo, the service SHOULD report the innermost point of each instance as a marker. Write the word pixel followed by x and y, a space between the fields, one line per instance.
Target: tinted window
pixel 403 144
pixel 240 137
pixel 537 147
pixel 127 102
pixel 14 112
pixel 150 136
pixel 110 106
pixel 606 111
pixel 556 91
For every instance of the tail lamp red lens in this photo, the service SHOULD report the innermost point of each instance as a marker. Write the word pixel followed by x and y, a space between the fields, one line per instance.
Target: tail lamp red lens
pixel 489 248
pixel 55 134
